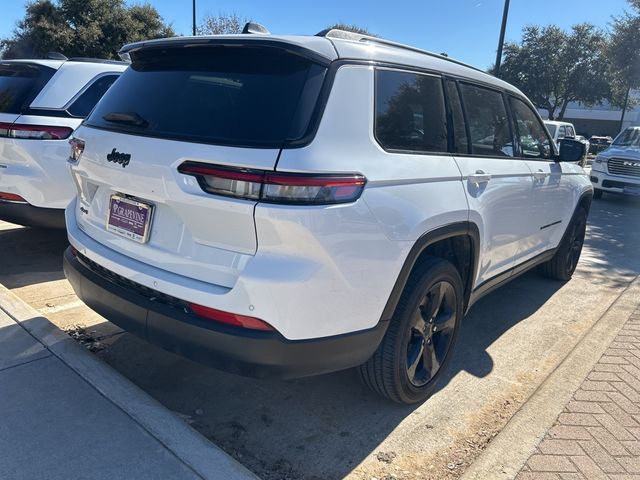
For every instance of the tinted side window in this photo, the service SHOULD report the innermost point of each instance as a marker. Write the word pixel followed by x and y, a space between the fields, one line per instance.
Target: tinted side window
pixel 88 99
pixel 534 141
pixel 488 121
pixel 410 112
pixel 461 142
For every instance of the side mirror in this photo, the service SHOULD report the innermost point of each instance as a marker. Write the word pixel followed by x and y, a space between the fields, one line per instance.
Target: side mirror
pixel 571 150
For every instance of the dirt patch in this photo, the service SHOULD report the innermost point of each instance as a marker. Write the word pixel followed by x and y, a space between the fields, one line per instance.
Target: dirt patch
pixel 451 462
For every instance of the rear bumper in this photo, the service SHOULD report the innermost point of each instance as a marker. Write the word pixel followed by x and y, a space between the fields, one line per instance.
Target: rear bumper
pixel 30 216
pixel 239 351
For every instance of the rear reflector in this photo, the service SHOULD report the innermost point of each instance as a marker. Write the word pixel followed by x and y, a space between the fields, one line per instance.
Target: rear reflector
pixel 274 187
pixel 229 318
pixel 11 197
pixel 34 132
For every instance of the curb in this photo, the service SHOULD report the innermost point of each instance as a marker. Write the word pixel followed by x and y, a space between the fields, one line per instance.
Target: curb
pixel 511 448
pixel 191 448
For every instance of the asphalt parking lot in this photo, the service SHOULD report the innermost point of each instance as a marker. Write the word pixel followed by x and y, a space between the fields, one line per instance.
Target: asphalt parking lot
pixel 330 427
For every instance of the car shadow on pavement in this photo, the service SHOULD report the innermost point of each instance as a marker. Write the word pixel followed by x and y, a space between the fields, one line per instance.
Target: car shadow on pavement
pixel 31 255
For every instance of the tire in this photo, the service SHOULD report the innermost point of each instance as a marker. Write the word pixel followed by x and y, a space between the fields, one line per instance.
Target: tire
pixel 597 194
pixel 565 261
pixel 421 334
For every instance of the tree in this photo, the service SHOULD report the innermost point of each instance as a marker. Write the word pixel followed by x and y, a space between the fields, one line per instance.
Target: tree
pixel 554 68
pixel 222 24
pixel 82 28
pixel 348 27
pixel 624 54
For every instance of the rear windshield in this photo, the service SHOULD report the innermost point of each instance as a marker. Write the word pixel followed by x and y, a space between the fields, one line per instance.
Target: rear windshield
pixel 20 83
pixel 240 96
pixel 629 138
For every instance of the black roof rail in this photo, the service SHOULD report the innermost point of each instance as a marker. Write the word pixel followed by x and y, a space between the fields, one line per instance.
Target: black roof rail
pixel 358 37
pixel 95 60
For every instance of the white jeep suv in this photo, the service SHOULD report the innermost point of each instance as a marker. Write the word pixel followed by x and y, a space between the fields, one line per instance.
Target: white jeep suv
pixel 41 103
pixel 617 169
pixel 288 206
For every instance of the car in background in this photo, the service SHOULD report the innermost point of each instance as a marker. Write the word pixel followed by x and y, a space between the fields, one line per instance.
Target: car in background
pixel 560 130
pixel 598 144
pixel 41 103
pixel 617 169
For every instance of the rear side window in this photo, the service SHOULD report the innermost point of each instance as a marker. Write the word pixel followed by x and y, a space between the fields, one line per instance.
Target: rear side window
pixel 20 83
pixel 88 99
pixel 243 96
pixel 410 112
pixel 488 121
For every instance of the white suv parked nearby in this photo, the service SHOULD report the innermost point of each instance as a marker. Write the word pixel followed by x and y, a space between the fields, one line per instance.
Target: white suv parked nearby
pixel 288 206
pixel 617 169
pixel 41 103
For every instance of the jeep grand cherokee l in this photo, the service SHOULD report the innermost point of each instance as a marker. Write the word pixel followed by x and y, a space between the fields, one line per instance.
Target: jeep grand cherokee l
pixel 298 205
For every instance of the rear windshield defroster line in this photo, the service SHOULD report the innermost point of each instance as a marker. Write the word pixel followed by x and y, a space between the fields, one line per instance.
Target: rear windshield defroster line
pixel 237 96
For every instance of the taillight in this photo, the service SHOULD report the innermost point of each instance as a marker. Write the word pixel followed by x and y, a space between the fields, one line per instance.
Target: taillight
pixel 34 132
pixel 274 187
pixel 77 147
pixel 227 318
pixel 11 197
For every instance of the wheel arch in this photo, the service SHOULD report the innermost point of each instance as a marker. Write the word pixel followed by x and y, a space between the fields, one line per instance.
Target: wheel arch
pixel 460 239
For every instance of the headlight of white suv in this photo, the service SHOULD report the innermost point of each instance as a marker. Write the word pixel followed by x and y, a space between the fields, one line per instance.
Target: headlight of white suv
pixel 599 163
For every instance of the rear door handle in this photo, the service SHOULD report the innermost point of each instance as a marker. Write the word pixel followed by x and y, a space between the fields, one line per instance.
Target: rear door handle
pixel 479 177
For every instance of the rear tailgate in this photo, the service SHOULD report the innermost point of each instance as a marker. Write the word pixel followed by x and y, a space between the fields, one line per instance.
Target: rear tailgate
pixel 216 105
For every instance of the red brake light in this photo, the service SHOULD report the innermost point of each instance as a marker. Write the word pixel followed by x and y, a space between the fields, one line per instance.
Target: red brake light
pixel 34 132
pixel 274 187
pixel 230 318
pixel 11 197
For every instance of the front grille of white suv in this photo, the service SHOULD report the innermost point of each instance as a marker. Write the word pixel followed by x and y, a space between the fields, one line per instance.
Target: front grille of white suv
pixel 620 166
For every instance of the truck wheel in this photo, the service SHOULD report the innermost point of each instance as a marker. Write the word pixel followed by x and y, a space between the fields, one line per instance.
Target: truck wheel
pixel 417 346
pixel 597 193
pixel 565 261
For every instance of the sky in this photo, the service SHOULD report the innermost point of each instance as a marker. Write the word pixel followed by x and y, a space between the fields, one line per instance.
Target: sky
pixel 467 30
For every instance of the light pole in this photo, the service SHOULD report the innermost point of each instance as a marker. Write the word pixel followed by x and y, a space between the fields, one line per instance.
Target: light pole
pixel 505 14
pixel 194 18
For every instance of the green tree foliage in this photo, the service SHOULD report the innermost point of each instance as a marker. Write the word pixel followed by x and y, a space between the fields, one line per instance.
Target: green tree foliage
pixel 222 24
pixel 624 53
pixel 553 67
pixel 82 28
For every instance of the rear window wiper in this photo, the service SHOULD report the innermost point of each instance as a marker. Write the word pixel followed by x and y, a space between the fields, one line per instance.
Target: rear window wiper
pixel 128 118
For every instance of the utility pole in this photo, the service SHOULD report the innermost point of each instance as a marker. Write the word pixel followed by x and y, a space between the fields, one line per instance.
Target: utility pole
pixel 505 14
pixel 194 18
pixel 624 109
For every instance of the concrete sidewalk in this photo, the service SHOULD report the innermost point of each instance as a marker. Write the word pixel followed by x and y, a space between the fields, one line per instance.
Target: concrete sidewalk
pixel 65 414
pixel 584 420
